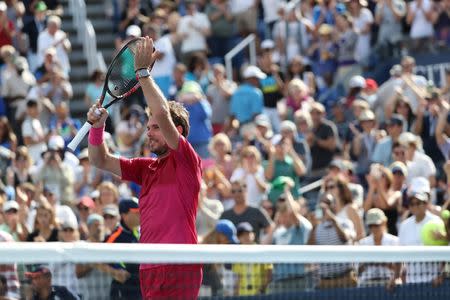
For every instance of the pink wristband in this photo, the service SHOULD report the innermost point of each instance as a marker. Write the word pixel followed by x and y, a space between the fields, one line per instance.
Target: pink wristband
pixel 96 136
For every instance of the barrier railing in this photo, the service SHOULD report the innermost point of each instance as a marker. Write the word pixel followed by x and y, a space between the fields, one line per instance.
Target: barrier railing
pixel 86 35
pixel 249 41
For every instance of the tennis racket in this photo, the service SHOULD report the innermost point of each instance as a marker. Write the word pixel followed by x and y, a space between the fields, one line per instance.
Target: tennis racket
pixel 120 82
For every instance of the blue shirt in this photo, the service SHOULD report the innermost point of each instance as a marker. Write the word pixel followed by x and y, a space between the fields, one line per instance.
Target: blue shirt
pixel 246 102
pixel 294 235
pixel 200 120
pixel 382 153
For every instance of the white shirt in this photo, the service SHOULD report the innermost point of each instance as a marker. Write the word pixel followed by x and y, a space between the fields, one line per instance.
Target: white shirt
pixel 409 235
pixel 45 41
pixel 254 194
pixel 270 10
pixel 240 6
pixel 362 50
pixel 420 26
pixel 372 271
pixel 32 128
pixel 421 166
pixel 63 274
pixel 194 40
pixel 164 66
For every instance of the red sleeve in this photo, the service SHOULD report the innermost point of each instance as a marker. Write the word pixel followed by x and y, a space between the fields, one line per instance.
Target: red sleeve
pixel 133 169
pixel 186 154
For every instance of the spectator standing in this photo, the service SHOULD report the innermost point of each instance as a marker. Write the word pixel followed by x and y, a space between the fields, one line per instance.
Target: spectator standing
pixel 378 274
pixel 63 124
pixel 193 98
pixel 45 227
pixel 8 140
pixel 245 14
pixel 219 93
pixel 243 212
pixel 94 87
pixel 382 195
pixel 362 23
pixel 53 36
pixel 420 13
pixel 388 16
pixel 382 153
pixel 333 231
pixel 208 213
pixel 126 232
pixel 247 100
pixel 178 79
pixel 19 171
pixel 220 148
pixel 222 28
pixel 291 229
pixel 130 129
pixel 441 23
pixel 252 279
pixel 32 29
pixel 7 29
pixel 193 29
pixel 93 279
pixel 251 172
pixel 323 140
pixel 410 231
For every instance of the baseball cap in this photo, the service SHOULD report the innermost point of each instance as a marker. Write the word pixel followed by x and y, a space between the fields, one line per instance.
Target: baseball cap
pixel 110 210
pixel 94 217
pixel 10 205
pixel 288 125
pixel 134 31
pixel 357 81
pixel 36 270
pixel 69 223
pixel 86 201
pixel 56 142
pixel 419 188
pixel 129 204
pixel 398 166
pixel 227 228
pixel 375 216
pixel 336 163
pixel 371 84
pixel 40 6
pixel 366 115
pixel 253 71
pixel 267 44
pixel 244 227
pixel 262 120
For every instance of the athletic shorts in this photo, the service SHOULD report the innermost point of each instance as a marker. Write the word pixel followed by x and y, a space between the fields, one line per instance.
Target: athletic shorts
pixel 171 282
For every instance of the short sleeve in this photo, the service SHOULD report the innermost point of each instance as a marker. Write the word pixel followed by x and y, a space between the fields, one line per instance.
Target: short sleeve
pixel 27 130
pixel 133 169
pixel 186 154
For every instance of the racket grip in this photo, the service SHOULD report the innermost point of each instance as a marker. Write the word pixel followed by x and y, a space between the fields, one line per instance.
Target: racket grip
pixel 79 137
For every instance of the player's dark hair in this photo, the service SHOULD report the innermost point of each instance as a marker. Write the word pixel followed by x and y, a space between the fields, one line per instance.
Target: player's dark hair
pixel 179 115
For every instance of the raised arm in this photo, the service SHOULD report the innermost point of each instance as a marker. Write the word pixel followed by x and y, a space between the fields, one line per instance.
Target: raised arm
pixel 99 155
pixel 153 95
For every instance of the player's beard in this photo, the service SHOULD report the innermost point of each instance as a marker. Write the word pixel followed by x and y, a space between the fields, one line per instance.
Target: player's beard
pixel 160 150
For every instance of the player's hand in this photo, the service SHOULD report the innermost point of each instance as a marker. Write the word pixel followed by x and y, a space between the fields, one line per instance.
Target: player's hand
pixel 97 115
pixel 121 275
pixel 145 56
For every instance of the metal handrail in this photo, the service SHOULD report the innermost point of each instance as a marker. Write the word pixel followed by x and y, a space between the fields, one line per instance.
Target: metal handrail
pixel 249 41
pixel 86 35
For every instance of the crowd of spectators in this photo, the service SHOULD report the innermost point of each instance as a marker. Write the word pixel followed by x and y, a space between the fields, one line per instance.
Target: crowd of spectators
pixel 306 112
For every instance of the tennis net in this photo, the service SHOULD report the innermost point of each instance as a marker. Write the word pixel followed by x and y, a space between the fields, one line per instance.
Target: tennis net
pixel 95 271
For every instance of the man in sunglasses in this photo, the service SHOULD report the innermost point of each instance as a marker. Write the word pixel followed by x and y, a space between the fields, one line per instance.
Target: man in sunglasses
pixel 410 230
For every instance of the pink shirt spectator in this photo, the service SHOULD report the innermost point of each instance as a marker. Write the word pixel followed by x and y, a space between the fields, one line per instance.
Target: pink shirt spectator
pixel 169 195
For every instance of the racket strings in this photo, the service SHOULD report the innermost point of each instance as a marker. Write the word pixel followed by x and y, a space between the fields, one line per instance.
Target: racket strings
pixel 122 77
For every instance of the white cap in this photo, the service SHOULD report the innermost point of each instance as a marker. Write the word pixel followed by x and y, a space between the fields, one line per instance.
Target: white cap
pixel 267 44
pixel 56 142
pixel 8 205
pixel 407 138
pixel 262 120
pixel 3 6
pixel 288 125
pixel 357 82
pixel 419 188
pixel 253 71
pixel 366 115
pixel 134 31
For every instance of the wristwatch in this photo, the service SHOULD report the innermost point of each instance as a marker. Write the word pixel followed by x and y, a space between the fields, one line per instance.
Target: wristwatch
pixel 142 73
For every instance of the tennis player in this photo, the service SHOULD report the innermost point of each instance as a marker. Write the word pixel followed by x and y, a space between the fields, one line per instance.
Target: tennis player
pixel 170 183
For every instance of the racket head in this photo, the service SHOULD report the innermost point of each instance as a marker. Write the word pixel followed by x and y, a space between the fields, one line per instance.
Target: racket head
pixel 120 80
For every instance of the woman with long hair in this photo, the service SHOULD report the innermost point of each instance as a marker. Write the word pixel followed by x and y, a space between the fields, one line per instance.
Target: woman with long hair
pixel 19 172
pixel 382 195
pixel 346 208
pixel 45 225
pixel 108 194
pixel 7 137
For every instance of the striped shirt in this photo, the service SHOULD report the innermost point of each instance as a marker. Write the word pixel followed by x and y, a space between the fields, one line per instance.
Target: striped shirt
pixel 326 234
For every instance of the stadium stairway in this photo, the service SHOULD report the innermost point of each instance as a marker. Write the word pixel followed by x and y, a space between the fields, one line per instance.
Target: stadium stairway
pixel 79 77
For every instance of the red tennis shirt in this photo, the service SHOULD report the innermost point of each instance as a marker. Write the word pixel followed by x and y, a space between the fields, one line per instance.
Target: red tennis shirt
pixel 169 194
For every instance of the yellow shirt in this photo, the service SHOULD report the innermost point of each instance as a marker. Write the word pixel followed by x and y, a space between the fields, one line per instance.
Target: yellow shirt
pixel 251 277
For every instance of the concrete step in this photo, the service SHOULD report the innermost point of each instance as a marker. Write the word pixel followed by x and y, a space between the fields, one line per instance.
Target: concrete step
pixel 102 24
pixel 79 88
pixel 96 10
pixel 77 58
pixel 78 73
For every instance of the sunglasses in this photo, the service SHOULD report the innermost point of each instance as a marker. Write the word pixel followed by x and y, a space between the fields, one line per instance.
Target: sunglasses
pixel 83 208
pixel 374 225
pixel 11 211
pixel 108 217
pixel 68 230
pixel 397 173
pixel 234 191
